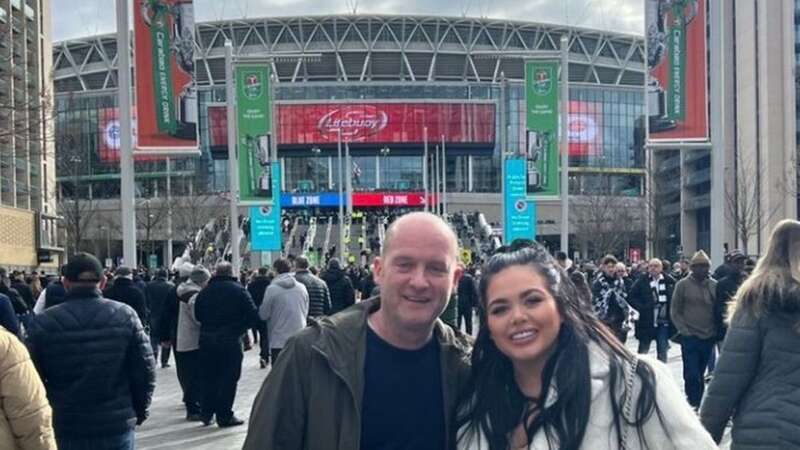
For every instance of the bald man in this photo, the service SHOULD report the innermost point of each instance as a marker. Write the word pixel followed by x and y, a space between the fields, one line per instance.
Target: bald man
pixel 384 373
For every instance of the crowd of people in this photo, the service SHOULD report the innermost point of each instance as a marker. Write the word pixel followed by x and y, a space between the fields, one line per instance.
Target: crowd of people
pixel 353 349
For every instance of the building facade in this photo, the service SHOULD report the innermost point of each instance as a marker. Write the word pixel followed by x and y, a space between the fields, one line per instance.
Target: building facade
pixel 28 212
pixel 467 72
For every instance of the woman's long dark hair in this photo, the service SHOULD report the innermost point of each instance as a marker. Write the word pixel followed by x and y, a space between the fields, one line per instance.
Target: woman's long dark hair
pixel 492 403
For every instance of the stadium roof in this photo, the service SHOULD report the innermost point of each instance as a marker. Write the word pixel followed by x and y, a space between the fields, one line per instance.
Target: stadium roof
pixel 369 48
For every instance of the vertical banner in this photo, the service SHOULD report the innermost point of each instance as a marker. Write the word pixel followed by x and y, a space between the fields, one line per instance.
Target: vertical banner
pixel 520 213
pixel 166 95
pixel 677 90
pixel 265 220
pixel 254 139
pixel 541 123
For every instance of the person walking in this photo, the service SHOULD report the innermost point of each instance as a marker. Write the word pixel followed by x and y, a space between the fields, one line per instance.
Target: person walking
pixel 339 286
pixel 8 319
pixel 757 374
pixel 125 291
pixel 52 295
pixel 319 298
pixel 187 343
pixel 156 293
pixel 609 298
pixel 651 295
pixel 25 414
pixel 285 307
pixel 384 373
pixel 692 312
pixel 96 362
pixel 726 289
pixel 225 312
pixel 256 287
pixel 467 300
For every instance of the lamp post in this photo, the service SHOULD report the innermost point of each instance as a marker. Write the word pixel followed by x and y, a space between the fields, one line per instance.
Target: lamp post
pixel 384 151
pixel 316 151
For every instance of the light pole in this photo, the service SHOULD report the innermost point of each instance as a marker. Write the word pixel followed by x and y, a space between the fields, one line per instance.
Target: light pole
pixel 316 151
pixel 341 200
pixel 425 168
pixel 384 151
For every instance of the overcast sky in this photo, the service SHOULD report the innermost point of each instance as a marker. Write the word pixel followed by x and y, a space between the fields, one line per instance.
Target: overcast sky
pixel 80 18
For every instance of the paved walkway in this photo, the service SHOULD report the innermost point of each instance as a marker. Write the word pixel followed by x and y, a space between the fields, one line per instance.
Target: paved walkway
pixel 167 429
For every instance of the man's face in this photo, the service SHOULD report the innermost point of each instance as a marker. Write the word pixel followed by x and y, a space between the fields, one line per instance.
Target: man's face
pixel 739 264
pixel 609 269
pixel 700 271
pixel 416 275
pixel 655 268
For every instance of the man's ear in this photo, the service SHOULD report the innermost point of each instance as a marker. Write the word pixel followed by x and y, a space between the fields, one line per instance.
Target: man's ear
pixel 459 272
pixel 103 281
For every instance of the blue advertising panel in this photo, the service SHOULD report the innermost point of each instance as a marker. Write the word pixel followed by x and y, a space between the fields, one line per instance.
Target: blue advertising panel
pixel 265 220
pixel 312 199
pixel 520 214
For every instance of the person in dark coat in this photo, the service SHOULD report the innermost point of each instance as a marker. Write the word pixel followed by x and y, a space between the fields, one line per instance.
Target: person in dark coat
pixel 95 361
pixel 125 291
pixel 756 378
pixel 651 295
pixel 609 298
pixel 18 283
pixel 467 300
pixel 225 312
pixel 339 286
pixel 20 308
pixel 156 294
pixel 256 287
pixel 8 319
pixel 730 266
pixel 726 289
pixel 168 326
pixel 319 298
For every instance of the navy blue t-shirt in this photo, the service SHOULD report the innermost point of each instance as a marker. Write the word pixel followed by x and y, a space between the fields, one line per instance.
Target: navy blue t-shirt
pixel 402 406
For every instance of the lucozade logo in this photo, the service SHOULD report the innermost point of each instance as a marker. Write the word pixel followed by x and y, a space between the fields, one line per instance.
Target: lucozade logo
pixel 355 122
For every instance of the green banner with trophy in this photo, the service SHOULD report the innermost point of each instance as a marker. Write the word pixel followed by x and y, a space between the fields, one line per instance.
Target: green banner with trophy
pixel 541 123
pixel 254 135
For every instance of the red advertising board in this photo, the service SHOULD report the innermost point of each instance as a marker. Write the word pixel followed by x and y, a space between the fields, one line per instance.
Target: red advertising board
pixel 166 97
pixel 397 199
pixel 380 123
pixel 677 90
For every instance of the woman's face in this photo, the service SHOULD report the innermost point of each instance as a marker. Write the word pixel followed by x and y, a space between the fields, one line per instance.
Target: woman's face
pixel 522 315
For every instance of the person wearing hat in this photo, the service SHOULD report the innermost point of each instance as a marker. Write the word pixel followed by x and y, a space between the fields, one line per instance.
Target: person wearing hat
pixel 95 361
pixel 168 325
pixel 730 265
pixel 187 342
pixel 692 313
pixel 339 286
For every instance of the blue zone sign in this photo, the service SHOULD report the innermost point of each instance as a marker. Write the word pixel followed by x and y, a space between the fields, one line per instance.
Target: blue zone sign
pixel 306 200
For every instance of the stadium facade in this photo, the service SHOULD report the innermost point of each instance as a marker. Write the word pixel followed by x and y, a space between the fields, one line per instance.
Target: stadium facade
pixel 28 217
pixel 468 72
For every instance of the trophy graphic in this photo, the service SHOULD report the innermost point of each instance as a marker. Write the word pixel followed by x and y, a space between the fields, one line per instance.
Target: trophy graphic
pixel 258 150
pixel 537 148
pixel 661 109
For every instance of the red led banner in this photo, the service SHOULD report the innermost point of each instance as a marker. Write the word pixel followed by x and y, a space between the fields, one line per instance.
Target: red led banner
pixel 379 123
pixel 376 123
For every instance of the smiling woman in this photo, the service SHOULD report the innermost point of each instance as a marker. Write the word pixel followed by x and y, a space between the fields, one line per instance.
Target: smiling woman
pixel 546 373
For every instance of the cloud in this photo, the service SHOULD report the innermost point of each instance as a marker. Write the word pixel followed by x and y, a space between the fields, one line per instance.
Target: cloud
pixel 73 19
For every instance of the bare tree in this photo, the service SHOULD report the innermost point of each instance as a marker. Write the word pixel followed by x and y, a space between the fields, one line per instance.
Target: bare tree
pixel 151 215
pixel 606 223
pixel 744 209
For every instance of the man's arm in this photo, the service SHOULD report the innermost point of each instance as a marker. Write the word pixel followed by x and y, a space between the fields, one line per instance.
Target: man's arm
pixel 676 307
pixel 279 415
